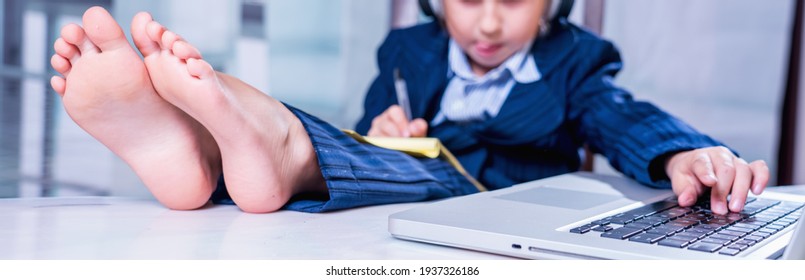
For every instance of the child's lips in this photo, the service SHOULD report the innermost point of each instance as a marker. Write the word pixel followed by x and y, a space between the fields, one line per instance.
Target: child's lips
pixel 487 49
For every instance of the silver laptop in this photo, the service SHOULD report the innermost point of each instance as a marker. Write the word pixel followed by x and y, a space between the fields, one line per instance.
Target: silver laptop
pixel 591 216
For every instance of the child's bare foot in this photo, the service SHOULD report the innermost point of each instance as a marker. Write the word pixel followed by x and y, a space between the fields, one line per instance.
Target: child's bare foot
pixel 266 153
pixel 107 91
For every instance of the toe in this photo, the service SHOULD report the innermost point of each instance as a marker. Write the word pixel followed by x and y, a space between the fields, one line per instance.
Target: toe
pixel 140 36
pixel 60 64
pixel 200 69
pixel 168 39
pixel 66 50
pixel 103 30
pixel 155 31
pixel 72 33
pixel 184 50
pixel 75 35
pixel 58 84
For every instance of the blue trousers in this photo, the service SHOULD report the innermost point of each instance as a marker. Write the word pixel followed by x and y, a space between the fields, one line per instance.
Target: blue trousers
pixel 360 174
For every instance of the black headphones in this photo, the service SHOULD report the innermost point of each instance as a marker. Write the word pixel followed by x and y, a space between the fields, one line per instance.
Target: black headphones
pixel 558 9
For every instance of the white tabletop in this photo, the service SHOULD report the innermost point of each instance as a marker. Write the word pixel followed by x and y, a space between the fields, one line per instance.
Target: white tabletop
pixel 124 228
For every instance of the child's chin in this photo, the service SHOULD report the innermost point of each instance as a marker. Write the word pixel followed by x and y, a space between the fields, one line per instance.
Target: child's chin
pixel 488 62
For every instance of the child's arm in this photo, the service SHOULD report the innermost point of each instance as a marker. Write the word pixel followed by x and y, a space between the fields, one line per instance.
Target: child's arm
pixel 647 143
pixel 383 117
pixel 382 114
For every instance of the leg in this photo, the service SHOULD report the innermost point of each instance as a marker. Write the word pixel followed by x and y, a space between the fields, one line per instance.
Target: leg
pixel 267 155
pixel 107 91
pixel 361 174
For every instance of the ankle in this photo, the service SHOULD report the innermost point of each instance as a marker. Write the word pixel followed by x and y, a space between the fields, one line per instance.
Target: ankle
pixel 305 174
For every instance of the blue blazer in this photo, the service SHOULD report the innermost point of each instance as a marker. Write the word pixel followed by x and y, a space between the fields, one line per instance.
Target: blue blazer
pixel 542 125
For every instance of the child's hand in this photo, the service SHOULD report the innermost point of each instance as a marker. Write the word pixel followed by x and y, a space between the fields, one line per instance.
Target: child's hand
pixel 719 169
pixel 393 123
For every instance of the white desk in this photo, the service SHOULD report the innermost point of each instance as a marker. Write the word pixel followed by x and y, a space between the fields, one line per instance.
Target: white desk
pixel 122 228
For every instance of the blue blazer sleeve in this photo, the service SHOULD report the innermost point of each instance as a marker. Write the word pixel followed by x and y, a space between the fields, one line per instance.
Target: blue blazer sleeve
pixel 635 136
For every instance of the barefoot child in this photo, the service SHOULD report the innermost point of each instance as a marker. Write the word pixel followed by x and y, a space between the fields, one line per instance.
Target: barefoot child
pixel 192 134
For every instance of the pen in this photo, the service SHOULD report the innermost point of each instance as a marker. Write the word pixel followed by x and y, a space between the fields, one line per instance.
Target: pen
pixel 402 93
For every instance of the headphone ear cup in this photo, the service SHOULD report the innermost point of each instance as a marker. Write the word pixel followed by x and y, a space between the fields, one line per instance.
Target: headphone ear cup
pixel 557 10
pixel 560 9
pixel 431 8
pixel 424 5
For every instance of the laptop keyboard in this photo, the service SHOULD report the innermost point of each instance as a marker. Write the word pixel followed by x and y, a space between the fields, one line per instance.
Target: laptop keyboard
pixel 665 223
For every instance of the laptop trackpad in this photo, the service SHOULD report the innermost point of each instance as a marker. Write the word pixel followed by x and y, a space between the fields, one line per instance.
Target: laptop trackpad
pixel 560 198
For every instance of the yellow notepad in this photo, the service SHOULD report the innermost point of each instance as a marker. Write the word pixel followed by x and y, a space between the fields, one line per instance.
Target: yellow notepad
pixel 418 147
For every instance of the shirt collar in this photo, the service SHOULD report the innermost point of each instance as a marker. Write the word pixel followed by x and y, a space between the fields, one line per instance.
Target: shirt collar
pixel 521 65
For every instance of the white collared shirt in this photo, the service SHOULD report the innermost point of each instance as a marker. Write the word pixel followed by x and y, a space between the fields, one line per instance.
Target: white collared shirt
pixel 472 98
